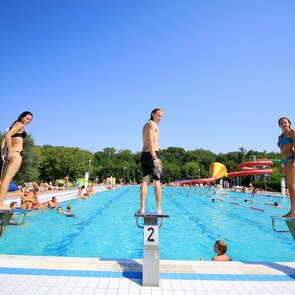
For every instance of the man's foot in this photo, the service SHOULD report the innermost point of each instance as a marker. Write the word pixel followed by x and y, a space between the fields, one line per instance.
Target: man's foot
pixel 290 214
pixel 159 211
pixel 141 211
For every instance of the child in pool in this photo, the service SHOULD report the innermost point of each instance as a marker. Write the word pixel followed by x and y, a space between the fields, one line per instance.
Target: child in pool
pixel 220 248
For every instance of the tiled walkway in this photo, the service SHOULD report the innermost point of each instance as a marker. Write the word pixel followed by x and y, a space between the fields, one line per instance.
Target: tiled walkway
pixel 62 275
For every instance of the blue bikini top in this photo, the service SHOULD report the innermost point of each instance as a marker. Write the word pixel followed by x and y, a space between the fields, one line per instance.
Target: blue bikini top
pixel 284 140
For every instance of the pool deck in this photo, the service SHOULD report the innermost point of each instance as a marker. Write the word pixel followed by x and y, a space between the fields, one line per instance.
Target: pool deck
pixel 72 275
pixel 66 275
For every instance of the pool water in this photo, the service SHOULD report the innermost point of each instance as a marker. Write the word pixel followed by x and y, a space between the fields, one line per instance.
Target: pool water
pixel 105 227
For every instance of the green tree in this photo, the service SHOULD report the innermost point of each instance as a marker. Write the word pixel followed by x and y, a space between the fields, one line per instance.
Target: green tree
pixel 58 162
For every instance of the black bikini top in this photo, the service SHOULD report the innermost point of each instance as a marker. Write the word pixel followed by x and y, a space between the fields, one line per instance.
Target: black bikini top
pixel 22 134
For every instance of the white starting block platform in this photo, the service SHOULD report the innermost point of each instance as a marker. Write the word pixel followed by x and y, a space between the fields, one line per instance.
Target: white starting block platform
pixel 6 215
pixel 290 221
pixel 151 255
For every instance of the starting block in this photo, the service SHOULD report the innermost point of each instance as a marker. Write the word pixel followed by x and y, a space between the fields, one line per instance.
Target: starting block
pixel 290 221
pixel 151 255
pixel 6 215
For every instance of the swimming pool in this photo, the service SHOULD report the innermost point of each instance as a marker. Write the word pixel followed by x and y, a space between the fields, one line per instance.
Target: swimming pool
pixel 104 227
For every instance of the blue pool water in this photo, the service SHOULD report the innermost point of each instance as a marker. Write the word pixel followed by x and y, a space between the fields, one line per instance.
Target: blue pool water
pixel 105 227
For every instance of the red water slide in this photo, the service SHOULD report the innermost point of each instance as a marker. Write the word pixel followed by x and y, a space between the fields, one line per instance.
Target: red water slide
pixel 194 181
pixel 258 167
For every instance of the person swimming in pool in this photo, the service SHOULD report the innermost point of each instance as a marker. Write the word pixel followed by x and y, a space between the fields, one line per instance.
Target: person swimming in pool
pixel 220 248
pixel 150 160
pixel 286 143
pixel 12 152
pixel 68 212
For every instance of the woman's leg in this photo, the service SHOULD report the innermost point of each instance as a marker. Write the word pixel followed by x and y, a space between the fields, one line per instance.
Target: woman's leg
pixel 290 181
pixel 10 171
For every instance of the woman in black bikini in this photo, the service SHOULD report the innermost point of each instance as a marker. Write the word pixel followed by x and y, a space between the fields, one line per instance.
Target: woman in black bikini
pixel 12 151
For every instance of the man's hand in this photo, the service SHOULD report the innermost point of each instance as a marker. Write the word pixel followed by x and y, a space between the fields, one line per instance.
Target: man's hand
pixel 157 170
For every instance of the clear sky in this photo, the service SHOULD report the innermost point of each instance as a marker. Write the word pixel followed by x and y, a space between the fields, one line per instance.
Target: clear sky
pixel 92 71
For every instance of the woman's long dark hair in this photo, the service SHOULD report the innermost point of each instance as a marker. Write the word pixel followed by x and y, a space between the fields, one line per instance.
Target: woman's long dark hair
pixel 284 118
pixel 22 115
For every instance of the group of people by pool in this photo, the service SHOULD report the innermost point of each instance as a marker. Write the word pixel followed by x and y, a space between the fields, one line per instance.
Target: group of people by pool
pixel 85 192
pixel 29 201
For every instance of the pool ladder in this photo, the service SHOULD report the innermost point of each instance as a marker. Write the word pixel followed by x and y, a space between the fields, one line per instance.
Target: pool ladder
pixel 6 215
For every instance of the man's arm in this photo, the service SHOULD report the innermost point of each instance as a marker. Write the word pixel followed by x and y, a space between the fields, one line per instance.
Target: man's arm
pixel 150 139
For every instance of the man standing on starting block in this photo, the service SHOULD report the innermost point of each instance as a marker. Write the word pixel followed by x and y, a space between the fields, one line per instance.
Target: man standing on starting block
pixel 150 160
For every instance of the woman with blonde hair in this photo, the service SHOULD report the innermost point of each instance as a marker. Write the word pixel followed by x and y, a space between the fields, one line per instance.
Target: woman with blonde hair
pixel 286 143
pixel 12 152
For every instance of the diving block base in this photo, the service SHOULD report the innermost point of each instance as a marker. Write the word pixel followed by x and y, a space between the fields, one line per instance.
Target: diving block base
pixel 6 215
pixel 151 255
pixel 290 221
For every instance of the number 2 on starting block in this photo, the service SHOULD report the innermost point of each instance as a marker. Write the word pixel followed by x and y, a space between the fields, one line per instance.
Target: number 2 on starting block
pixel 151 235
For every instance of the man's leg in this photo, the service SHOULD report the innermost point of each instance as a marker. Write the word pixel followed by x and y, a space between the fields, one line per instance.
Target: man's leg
pixel 158 195
pixel 143 192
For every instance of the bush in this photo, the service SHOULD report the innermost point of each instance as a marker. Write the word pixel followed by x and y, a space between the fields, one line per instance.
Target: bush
pixel 270 185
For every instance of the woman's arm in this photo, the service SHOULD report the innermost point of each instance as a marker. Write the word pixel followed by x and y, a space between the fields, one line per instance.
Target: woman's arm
pixel 3 146
pixel 292 133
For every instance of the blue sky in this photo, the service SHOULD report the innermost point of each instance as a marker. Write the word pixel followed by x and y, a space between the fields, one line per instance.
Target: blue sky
pixel 92 71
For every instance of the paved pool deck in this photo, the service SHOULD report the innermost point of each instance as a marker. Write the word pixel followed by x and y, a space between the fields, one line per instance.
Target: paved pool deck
pixel 70 275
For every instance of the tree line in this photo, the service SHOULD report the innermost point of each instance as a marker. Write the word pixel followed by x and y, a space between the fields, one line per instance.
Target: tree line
pixel 49 163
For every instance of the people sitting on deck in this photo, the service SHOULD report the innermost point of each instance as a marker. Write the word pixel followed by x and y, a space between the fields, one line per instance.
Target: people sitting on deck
pixel 52 203
pixel 59 184
pixel 49 186
pixel 90 190
pixel 26 202
pixel 220 247
pixel 30 200
pixel 82 193
pixel 34 197
pixel 28 186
